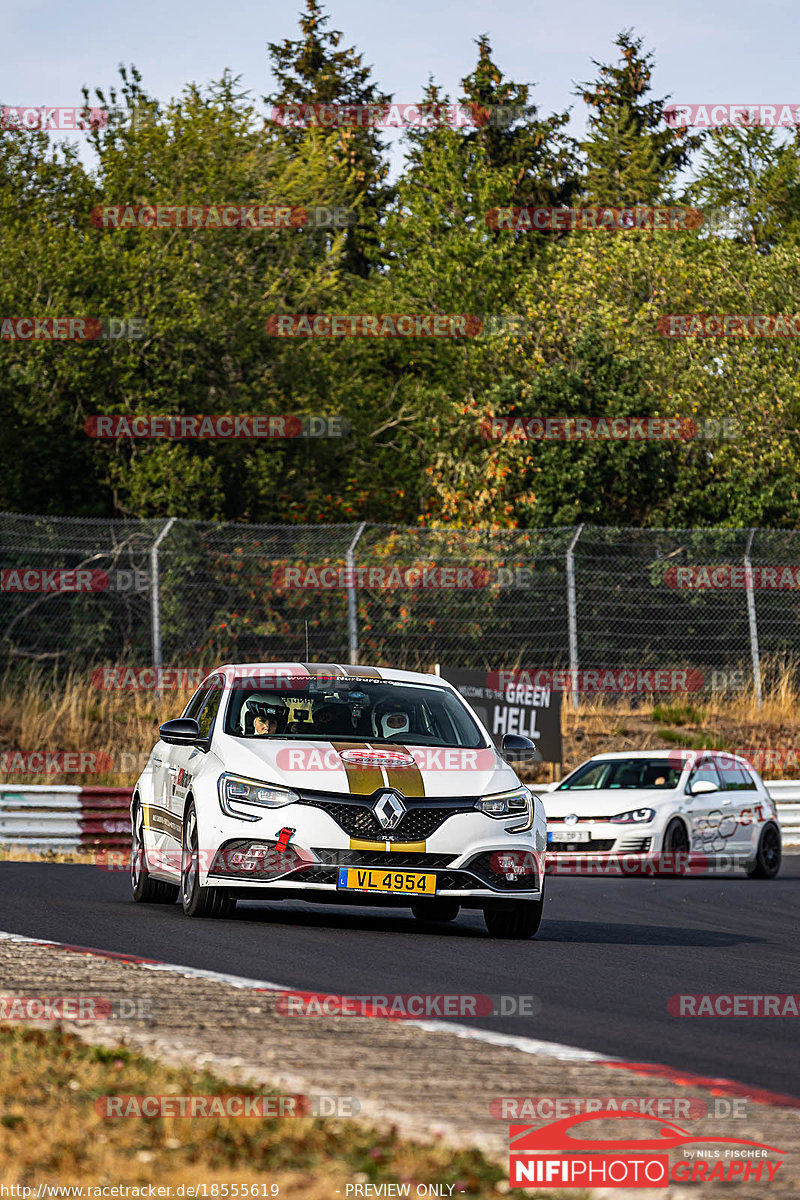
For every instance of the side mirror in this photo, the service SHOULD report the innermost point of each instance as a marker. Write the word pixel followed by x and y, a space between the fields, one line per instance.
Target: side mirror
pixel 703 787
pixel 183 731
pixel 517 748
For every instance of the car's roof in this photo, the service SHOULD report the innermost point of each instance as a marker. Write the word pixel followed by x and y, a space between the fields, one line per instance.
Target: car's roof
pixel 667 755
pixel 345 670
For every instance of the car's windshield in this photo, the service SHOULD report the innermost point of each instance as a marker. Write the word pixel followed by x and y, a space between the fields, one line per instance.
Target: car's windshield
pixel 622 773
pixel 351 710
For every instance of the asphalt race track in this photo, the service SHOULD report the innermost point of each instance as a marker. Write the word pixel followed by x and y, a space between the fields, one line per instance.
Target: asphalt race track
pixel 609 954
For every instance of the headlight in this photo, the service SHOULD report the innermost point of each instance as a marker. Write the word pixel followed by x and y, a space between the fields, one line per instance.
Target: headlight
pixel 634 817
pixel 234 791
pixel 516 803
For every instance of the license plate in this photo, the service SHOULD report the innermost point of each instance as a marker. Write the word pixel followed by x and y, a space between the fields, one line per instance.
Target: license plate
pixel 569 835
pixel 359 879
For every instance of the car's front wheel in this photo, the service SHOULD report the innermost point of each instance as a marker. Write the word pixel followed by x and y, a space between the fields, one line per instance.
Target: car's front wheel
pixel 199 901
pixel 146 890
pixel 519 919
pixel 768 855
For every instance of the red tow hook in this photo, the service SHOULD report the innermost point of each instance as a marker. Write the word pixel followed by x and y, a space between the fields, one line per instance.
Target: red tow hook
pixel 284 837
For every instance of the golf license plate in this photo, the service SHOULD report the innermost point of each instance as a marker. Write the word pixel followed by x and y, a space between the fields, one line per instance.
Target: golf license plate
pixel 569 835
pixel 366 879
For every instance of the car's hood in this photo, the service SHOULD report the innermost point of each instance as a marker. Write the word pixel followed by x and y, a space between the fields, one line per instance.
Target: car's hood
pixel 358 769
pixel 604 802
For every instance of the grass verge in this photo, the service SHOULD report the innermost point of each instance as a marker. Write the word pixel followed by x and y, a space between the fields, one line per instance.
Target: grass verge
pixel 50 1131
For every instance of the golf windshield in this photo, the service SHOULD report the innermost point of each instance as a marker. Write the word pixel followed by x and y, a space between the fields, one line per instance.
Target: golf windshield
pixel 350 710
pixel 622 773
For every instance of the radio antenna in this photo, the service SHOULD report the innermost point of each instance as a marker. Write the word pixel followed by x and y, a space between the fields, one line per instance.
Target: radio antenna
pixel 307 658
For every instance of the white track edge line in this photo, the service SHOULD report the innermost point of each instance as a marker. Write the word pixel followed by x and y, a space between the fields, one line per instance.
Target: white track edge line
pixel 525 1045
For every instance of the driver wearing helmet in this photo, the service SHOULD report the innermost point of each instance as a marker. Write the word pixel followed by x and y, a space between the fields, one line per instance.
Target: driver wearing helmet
pixel 261 716
pixel 393 720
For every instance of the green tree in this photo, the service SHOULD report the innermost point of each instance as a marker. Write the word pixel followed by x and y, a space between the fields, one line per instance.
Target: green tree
pixel 315 70
pixel 631 156
pixel 748 184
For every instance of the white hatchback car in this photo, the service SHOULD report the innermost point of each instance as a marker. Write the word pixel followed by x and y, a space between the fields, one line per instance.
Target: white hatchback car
pixel 340 784
pixel 649 802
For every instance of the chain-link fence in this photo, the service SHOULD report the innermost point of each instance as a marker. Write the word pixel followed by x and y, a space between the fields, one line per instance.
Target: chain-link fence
pixel 706 607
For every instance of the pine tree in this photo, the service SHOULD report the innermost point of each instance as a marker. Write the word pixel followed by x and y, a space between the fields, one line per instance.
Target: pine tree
pixel 632 157
pixel 544 158
pixel 314 70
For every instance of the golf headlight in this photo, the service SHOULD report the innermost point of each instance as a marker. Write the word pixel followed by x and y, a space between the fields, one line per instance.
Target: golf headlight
pixel 634 817
pixel 234 791
pixel 516 803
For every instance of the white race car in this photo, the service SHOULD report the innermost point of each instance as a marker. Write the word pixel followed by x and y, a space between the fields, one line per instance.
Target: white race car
pixel 340 784
pixel 648 802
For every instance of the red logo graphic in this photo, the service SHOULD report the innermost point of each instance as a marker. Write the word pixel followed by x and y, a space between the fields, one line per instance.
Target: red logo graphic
pixel 625 1162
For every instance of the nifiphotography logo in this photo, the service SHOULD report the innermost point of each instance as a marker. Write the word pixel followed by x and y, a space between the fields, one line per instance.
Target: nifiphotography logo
pixel 554 1156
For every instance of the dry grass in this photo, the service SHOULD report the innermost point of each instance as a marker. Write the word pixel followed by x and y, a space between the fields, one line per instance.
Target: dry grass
pixel 50 1132
pixel 38 714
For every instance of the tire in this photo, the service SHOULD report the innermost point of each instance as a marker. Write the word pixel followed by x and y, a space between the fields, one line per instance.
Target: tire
pixel 768 855
pixel 520 920
pixel 146 890
pixel 676 838
pixel 675 841
pixel 199 901
pixel 436 910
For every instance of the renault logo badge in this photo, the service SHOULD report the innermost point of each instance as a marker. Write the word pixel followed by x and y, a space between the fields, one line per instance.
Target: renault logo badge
pixel 389 810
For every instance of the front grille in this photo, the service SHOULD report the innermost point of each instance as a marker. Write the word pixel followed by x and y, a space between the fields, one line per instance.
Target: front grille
pixel 355 816
pixel 316 875
pixel 593 845
pixel 382 858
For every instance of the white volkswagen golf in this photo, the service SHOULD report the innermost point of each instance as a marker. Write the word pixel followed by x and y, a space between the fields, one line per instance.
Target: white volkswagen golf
pixel 338 784
pixel 707 803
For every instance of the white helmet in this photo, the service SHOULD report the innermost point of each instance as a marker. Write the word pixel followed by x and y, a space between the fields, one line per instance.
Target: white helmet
pixel 391 721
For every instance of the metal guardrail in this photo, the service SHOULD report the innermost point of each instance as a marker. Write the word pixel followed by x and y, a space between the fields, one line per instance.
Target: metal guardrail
pixel 43 817
pixel 48 817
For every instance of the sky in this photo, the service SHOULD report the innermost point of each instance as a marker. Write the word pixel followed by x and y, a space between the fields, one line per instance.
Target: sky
pixel 715 52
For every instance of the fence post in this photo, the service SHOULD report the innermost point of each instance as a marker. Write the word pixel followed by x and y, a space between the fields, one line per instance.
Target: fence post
pixel 352 610
pixel 751 620
pixel 572 616
pixel 155 594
